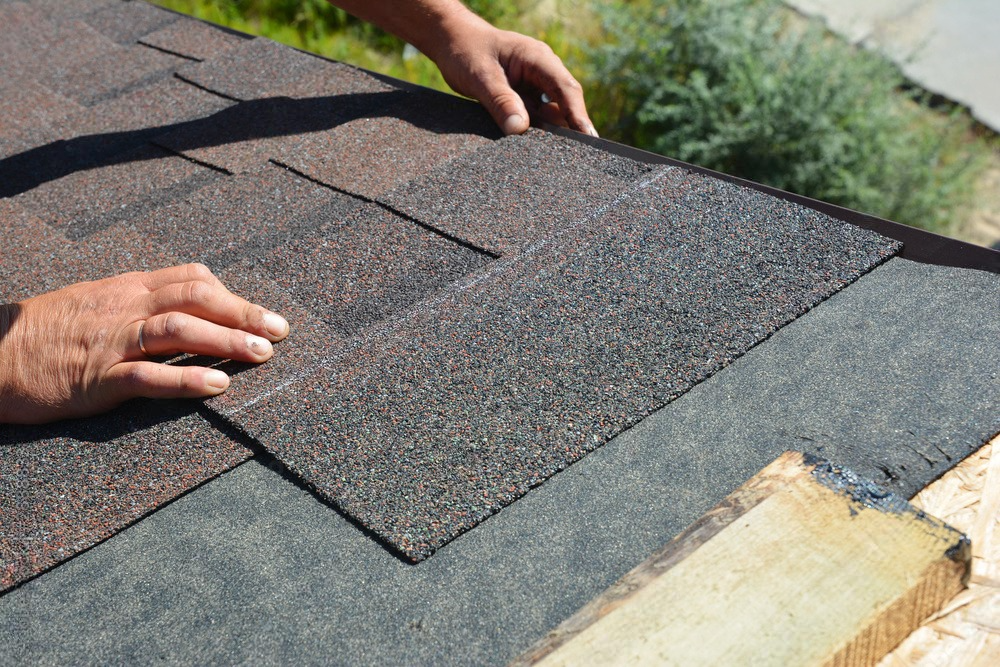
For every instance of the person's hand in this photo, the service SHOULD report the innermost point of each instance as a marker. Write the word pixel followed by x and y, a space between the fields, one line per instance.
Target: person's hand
pixel 516 78
pixel 79 351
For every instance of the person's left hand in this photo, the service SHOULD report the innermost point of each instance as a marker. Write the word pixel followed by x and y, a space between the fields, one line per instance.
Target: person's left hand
pixel 516 78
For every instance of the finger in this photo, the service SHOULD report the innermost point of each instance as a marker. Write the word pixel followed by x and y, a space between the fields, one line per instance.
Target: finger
pixel 547 72
pixel 148 379
pixel 215 303
pixel 183 273
pixel 176 333
pixel 493 91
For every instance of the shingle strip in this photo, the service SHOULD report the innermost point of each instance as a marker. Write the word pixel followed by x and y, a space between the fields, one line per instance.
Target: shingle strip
pixel 244 137
pixel 126 22
pixel 192 39
pixel 111 74
pixel 515 190
pixel 395 143
pixel 430 426
pixel 353 264
pixel 232 217
pixel 65 487
pixel 89 200
pixel 262 68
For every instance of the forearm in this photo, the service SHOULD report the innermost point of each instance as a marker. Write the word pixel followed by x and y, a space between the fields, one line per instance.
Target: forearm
pixel 426 24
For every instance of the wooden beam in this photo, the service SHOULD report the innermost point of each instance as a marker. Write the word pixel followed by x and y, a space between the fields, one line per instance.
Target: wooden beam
pixel 805 564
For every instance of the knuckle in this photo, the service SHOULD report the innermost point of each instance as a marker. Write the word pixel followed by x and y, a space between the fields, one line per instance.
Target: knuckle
pixel 199 293
pixel 200 272
pixel 174 325
pixel 137 376
pixel 187 381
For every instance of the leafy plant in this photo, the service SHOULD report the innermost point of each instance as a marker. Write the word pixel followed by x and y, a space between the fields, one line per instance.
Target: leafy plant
pixel 731 86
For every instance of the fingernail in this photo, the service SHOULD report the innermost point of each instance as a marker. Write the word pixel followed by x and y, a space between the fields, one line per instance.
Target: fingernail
pixel 592 131
pixel 216 379
pixel 275 324
pixel 514 124
pixel 259 346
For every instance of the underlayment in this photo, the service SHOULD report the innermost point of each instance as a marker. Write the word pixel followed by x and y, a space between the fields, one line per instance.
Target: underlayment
pixel 426 426
pixel 251 568
pixel 64 487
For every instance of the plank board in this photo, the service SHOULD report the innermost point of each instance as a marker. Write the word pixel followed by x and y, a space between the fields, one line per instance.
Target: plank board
pixel 804 564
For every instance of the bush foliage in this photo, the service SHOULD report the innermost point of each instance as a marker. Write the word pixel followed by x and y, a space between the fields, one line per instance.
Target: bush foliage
pixel 729 85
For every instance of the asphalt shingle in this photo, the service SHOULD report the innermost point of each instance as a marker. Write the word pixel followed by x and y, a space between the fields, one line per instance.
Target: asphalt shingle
pixel 515 190
pixel 192 39
pixel 126 22
pixel 395 143
pixel 353 264
pixel 425 428
pixel 67 486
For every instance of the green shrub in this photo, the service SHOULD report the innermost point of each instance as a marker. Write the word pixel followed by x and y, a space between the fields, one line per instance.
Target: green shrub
pixel 728 85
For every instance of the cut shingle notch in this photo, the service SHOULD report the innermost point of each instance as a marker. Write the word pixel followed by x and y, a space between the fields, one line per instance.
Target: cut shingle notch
pixel 192 39
pixel 127 22
pixel 243 137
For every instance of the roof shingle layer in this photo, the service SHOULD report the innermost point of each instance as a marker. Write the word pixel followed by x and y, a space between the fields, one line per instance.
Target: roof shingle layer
pixel 470 314
pixel 423 429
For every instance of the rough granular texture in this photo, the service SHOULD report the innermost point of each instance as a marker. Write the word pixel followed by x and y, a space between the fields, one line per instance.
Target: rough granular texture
pixel 309 341
pixel 26 104
pixel 428 427
pixel 261 68
pixel 93 199
pixel 232 217
pixel 394 144
pixel 246 136
pixel 192 39
pixel 120 70
pixel 353 264
pixel 515 190
pixel 126 22
pixel 65 487
pixel 32 44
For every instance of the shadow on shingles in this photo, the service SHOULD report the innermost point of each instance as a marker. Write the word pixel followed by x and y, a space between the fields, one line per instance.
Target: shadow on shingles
pixel 130 418
pixel 246 121
pixel 275 465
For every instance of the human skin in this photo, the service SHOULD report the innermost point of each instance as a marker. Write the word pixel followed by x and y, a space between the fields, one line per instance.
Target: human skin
pixel 506 71
pixel 76 351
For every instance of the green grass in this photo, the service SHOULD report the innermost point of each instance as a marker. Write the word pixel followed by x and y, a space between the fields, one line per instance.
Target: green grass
pixel 726 84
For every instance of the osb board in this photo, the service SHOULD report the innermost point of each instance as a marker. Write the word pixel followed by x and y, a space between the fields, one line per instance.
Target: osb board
pixel 966 632
pixel 804 564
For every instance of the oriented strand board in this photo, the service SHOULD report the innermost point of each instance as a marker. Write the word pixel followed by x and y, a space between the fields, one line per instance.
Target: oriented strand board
pixel 805 564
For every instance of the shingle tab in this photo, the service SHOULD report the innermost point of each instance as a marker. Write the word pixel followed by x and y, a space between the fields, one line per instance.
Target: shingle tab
pixel 428 427
pixel 258 68
pixel 244 137
pixel 233 217
pixel 92 199
pixel 309 341
pixel 114 73
pixel 45 49
pixel 353 264
pixel 67 486
pixel 126 22
pixel 192 39
pixel 369 155
pixel 26 104
pixel 516 190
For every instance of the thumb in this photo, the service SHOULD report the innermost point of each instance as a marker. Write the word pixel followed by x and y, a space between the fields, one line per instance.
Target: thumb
pixel 502 102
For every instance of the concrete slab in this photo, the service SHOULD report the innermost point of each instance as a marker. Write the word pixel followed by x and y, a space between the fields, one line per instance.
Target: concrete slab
pixel 949 47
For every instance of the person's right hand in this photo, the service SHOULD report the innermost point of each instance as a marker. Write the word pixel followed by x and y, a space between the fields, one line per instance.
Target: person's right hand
pixel 76 351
